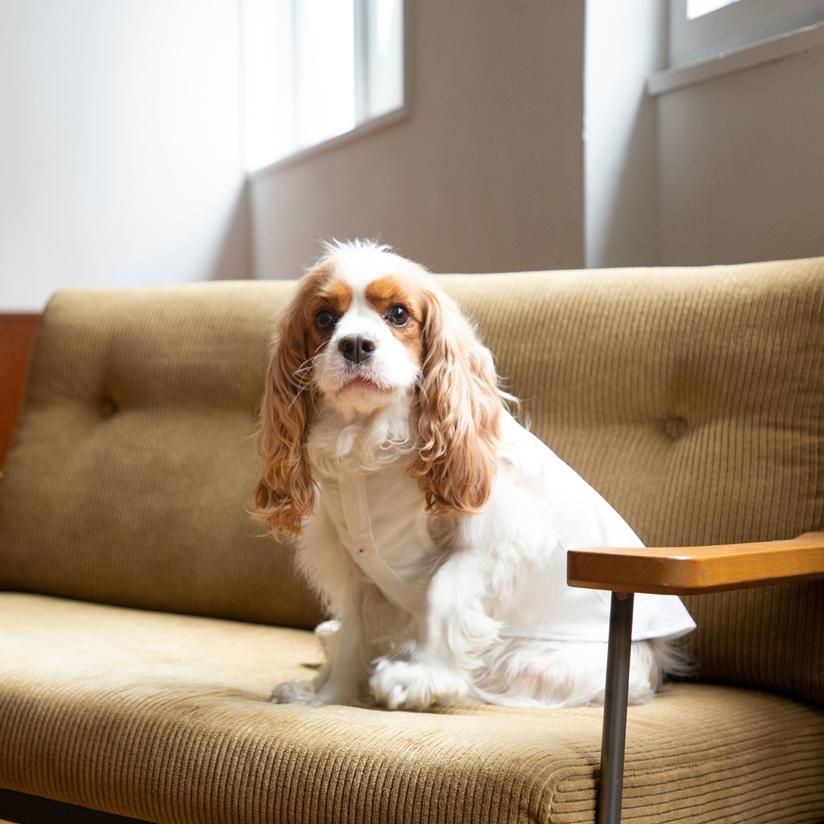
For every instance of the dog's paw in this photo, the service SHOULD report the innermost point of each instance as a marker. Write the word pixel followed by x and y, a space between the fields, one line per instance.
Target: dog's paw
pixel 328 633
pixel 309 694
pixel 416 686
pixel 295 692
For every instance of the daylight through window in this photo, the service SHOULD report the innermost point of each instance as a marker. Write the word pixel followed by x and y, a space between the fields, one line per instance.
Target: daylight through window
pixel 315 69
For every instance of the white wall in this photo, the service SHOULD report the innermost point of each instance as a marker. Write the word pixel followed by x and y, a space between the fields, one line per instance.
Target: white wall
pixel 741 165
pixel 486 173
pixel 726 170
pixel 625 43
pixel 120 145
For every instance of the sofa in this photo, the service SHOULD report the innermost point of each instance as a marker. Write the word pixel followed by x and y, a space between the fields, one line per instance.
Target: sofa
pixel 145 617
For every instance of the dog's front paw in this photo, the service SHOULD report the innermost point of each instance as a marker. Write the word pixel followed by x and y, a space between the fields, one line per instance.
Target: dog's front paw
pixel 416 686
pixel 328 633
pixel 295 692
pixel 308 693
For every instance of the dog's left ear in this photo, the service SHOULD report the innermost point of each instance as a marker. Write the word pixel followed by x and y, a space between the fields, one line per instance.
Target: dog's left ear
pixel 459 411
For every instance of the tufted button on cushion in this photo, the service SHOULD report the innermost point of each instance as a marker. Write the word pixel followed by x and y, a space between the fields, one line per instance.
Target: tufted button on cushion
pixel 675 427
pixel 107 407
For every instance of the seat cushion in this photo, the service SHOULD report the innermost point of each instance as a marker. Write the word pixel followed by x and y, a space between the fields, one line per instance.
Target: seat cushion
pixel 165 717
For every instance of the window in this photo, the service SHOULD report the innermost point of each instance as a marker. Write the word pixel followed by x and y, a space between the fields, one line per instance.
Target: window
pixel 700 29
pixel 315 69
pixel 698 8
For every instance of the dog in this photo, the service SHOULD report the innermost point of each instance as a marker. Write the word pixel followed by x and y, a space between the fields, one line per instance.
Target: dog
pixel 432 525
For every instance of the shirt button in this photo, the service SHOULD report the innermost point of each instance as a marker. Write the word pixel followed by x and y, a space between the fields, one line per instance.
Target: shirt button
pixel 361 550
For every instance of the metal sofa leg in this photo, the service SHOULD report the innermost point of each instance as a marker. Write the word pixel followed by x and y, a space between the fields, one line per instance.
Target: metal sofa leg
pixel 611 779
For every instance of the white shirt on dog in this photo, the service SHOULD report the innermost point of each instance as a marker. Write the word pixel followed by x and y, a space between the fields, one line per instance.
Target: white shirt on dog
pixel 381 519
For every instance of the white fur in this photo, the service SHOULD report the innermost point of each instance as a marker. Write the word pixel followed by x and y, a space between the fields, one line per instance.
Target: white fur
pixel 457 648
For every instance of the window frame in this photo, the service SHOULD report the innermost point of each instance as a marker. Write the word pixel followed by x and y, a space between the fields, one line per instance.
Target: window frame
pixel 370 125
pixel 734 26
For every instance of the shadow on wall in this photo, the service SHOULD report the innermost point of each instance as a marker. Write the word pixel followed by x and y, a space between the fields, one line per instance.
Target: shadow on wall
pixel 630 225
pixel 234 258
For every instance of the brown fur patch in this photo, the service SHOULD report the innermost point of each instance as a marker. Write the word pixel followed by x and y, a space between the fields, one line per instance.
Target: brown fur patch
pixel 459 412
pixel 389 291
pixel 332 295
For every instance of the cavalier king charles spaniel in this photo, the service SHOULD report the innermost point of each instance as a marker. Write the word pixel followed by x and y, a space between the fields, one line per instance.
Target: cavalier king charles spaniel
pixel 432 525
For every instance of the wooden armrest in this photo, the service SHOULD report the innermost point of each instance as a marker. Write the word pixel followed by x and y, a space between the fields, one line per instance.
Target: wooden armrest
pixel 17 332
pixel 696 569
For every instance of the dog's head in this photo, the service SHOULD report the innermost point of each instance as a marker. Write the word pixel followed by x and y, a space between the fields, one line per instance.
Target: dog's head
pixel 365 330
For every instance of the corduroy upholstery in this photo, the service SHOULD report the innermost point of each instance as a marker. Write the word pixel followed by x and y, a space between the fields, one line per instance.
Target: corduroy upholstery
pixel 133 465
pixel 692 399
pixel 164 718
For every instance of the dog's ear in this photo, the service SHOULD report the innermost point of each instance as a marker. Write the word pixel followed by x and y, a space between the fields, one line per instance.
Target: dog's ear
pixel 285 494
pixel 459 411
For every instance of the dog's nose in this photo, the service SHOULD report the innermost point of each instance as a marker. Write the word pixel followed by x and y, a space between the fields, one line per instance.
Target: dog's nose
pixel 356 348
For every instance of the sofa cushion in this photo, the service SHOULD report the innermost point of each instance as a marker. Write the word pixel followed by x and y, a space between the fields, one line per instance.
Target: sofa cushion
pixel 131 474
pixel 165 718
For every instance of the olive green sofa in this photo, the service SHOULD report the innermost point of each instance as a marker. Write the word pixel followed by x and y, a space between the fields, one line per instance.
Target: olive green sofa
pixel 144 618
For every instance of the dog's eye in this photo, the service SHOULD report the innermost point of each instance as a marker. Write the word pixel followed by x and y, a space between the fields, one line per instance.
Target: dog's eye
pixel 325 319
pixel 397 315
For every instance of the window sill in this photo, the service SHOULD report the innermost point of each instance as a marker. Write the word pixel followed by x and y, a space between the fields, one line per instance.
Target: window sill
pixel 310 152
pixel 737 60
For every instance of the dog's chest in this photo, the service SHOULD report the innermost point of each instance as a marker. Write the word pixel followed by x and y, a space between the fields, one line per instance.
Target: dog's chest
pixel 381 519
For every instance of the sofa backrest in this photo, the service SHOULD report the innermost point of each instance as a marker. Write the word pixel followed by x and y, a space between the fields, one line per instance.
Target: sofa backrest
pixel 131 472
pixel 691 398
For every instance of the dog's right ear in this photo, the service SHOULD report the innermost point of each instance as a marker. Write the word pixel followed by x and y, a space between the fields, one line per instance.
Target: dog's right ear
pixel 285 494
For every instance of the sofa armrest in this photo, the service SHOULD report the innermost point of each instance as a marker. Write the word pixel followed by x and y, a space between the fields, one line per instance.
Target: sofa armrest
pixel 697 569
pixel 17 331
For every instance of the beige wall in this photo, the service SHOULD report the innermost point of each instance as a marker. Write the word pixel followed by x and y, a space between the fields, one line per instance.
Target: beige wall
pixel 741 165
pixel 486 173
pixel 120 139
